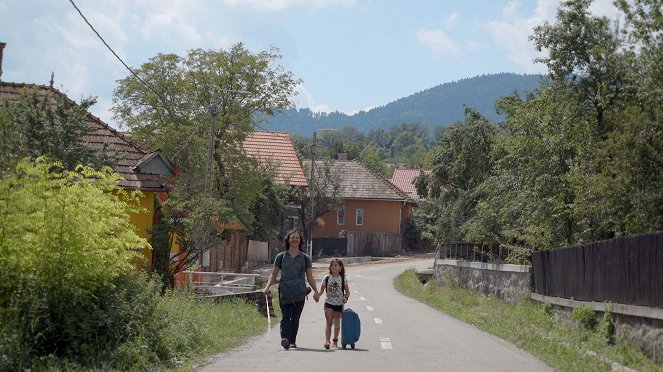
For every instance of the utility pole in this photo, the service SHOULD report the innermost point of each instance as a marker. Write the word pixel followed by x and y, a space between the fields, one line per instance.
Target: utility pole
pixel 214 110
pixel 312 197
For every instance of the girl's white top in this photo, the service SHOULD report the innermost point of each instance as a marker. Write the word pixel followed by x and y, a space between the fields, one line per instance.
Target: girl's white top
pixel 334 290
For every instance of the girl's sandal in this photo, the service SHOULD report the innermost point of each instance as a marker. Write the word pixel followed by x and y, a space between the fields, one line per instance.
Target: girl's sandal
pixel 326 345
pixel 335 344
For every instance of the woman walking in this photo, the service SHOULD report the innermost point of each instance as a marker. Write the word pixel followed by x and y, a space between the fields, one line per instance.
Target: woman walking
pixel 294 265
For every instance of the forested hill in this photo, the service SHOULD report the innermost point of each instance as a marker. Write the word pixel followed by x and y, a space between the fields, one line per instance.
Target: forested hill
pixel 440 105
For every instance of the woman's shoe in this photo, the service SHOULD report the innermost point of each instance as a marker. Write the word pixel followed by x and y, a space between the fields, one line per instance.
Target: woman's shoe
pixel 327 345
pixel 335 344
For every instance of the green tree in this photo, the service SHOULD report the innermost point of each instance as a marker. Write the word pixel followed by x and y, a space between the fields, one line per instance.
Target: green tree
pixel 370 158
pixel 46 123
pixel 462 161
pixel 174 114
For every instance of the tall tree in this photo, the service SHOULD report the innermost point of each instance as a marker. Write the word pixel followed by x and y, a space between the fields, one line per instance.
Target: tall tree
pixel 232 88
pixel 462 161
pixel 46 123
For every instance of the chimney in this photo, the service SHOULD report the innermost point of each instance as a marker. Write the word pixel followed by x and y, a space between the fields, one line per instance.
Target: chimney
pixel 342 156
pixel 2 47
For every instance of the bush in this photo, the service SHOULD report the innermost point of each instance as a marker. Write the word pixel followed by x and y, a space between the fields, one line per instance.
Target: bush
pixel 65 241
pixel 586 316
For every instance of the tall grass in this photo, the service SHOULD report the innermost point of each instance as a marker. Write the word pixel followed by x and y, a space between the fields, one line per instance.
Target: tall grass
pixel 130 326
pixel 530 326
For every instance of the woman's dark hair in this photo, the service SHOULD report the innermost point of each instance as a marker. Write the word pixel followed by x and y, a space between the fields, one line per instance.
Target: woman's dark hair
pixel 286 240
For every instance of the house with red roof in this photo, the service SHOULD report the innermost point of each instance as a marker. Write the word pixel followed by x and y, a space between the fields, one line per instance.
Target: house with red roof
pixel 404 180
pixel 275 149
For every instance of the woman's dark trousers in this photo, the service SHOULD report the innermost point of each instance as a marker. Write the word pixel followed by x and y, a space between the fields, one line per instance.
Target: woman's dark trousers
pixel 290 321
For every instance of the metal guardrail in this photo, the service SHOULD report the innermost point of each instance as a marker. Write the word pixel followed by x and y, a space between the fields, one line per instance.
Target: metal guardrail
pixel 219 283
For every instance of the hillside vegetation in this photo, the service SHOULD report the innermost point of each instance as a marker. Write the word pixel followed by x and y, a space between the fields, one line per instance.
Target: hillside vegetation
pixel 440 105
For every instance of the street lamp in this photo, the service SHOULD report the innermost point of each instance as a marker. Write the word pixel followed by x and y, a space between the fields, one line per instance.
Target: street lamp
pixel 312 191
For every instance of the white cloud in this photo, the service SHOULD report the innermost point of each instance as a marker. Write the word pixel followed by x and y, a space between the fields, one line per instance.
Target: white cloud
pixel 604 8
pixel 511 33
pixel 438 41
pixel 275 5
pixel 452 20
pixel 176 20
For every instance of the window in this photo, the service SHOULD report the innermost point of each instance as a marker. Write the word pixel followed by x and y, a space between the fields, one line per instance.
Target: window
pixel 291 222
pixel 340 217
pixel 360 216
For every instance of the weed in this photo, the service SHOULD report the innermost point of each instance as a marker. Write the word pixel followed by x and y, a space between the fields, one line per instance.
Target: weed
pixel 586 316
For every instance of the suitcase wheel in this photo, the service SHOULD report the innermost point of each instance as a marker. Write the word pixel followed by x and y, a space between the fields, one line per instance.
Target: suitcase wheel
pixel 344 345
pixel 353 346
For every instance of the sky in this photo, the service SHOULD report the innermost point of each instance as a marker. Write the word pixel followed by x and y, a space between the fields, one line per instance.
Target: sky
pixel 351 55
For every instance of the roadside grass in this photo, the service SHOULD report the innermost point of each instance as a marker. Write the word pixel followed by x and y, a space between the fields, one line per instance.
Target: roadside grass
pixel 205 328
pixel 530 326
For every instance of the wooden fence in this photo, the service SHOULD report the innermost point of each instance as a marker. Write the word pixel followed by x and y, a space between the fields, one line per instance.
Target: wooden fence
pixel 627 270
pixel 330 247
pixel 373 244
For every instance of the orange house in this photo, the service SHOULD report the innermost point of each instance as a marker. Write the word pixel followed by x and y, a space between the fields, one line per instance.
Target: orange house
pixel 371 203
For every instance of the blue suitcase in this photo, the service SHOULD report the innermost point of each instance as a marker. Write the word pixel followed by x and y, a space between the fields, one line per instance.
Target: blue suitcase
pixel 350 328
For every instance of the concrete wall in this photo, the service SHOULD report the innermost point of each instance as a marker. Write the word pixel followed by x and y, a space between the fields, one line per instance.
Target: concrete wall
pixel 641 325
pixel 510 283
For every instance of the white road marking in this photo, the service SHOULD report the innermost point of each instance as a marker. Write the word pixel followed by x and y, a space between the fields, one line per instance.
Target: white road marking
pixel 385 342
pixel 362 298
pixel 377 320
pixel 369 308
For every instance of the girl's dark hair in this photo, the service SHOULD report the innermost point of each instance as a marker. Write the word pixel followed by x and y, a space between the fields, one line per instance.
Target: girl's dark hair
pixel 340 263
pixel 286 240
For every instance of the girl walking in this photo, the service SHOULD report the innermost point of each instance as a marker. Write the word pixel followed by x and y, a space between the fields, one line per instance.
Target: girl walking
pixel 338 293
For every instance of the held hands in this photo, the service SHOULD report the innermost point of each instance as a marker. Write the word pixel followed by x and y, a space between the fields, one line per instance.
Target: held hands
pixel 316 296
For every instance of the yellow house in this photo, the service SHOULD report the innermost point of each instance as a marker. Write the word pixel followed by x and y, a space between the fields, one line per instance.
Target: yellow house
pixel 149 172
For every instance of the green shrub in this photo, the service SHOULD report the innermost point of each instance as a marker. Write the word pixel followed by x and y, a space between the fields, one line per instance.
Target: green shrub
pixel 586 316
pixel 608 328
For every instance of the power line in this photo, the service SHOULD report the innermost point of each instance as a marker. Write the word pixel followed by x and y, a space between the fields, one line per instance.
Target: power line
pixel 118 57
pixel 148 86
pixel 163 100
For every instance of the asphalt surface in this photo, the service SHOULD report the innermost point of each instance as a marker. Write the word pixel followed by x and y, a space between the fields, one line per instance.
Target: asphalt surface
pixel 397 334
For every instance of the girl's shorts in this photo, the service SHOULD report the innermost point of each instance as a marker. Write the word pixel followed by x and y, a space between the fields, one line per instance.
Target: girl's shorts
pixel 337 308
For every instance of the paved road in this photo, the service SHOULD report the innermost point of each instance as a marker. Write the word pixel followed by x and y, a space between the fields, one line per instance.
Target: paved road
pixel 398 334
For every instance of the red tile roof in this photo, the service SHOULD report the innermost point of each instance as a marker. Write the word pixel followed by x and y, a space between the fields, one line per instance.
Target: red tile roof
pixel 126 153
pixel 404 180
pixel 276 148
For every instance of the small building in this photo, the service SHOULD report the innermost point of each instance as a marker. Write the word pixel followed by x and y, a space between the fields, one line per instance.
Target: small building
pixel 372 213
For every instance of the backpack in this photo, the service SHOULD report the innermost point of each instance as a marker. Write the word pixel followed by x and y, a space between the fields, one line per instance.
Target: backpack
pixel 294 290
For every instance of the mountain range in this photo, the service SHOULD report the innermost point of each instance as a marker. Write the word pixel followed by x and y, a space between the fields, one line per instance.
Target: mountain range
pixel 440 105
